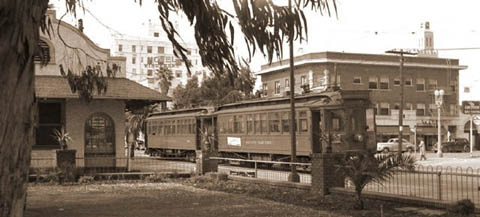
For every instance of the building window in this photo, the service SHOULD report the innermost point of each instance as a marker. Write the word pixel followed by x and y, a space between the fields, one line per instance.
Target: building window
pixel 149 72
pixel 373 83
pixel 396 106
pixel 50 118
pixel 384 109
pixel 265 87
pixel 178 73
pixel 303 80
pixel 277 87
pixel 432 109
pixel 432 84
pixel 396 82
pixel 156 34
pixel 384 83
pixel 134 60
pixel 420 84
pixel 149 49
pixel 134 48
pixel 161 50
pixel 357 80
pixel 287 83
pixel 44 52
pixel 453 109
pixel 334 82
pixel 408 82
pixel 99 134
pixel 149 60
pixel 120 48
pixel 408 106
pixel 420 110
pixel 134 70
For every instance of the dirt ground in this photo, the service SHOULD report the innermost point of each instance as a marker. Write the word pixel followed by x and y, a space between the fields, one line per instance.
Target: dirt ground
pixel 150 200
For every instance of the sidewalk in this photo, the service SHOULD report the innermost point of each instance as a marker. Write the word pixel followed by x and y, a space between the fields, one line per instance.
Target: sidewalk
pixel 453 160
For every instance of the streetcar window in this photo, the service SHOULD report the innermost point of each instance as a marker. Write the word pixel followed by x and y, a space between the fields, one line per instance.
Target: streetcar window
pixel 173 128
pixel 302 116
pixel 286 122
pixel 238 125
pixel 258 127
pixel 263 123
pixel 336 124
pixel 160 128
pixel 230 124
pixel 154 127
pixel 250 129
pixel 274 119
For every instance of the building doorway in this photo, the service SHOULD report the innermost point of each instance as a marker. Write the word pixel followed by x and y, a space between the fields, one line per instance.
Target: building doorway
pixel 99 141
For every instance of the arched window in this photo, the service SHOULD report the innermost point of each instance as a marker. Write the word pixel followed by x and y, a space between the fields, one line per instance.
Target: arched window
pixel 99 135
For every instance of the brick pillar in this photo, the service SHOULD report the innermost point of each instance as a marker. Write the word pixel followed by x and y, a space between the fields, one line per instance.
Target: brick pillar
pixel 204 163
pixel 66 163
pixel 324 172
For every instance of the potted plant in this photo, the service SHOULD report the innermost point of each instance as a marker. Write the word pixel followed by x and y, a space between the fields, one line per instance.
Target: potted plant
pixel 62 138
pixel 65 157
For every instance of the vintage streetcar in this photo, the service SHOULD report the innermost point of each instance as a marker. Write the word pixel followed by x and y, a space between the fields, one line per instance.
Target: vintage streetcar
pixel 260 129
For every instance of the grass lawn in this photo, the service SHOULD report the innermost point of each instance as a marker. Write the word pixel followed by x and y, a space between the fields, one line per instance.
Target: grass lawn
pixel 149 200
pixel 198 196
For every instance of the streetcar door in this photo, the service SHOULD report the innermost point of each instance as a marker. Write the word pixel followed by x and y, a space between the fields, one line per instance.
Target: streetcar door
pixel 316 132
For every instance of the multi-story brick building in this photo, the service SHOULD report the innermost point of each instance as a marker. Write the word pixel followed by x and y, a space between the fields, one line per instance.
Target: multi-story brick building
pixel 380 74
pixel 147 54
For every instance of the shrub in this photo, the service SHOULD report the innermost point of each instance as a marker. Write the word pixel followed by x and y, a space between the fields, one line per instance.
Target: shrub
pixel 156 178
pixel 85 179
pixel 463 207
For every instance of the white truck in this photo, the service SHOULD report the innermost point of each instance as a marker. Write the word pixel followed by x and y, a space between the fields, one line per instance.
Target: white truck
pixel 392 145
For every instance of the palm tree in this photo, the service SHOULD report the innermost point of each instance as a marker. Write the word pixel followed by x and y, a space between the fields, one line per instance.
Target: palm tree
pixel 165 76
pixel 362 168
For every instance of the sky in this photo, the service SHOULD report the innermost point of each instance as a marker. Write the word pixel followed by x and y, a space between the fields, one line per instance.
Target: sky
pixel 367 26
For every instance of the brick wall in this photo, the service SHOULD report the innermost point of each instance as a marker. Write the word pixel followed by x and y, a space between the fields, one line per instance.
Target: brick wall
pixel 77 113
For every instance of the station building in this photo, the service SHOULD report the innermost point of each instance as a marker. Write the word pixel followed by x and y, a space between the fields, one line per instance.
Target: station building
pixel 97 127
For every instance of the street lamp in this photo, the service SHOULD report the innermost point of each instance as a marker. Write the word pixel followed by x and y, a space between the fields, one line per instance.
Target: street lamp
pixel 439 102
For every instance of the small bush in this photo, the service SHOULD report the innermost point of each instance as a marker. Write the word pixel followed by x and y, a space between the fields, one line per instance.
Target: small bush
pixel 218 177
pixel 463 207
pixel 86 179
pixel 156 178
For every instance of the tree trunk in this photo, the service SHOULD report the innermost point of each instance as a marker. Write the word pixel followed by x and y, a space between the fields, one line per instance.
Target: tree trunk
pixel 358 199
pixel 19 24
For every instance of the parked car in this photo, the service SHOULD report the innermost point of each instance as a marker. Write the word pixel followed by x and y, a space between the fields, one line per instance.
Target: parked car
pixel 457 144
pixel 392 145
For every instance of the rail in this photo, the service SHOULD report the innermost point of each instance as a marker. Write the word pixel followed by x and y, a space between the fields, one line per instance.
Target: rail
pixel 269 170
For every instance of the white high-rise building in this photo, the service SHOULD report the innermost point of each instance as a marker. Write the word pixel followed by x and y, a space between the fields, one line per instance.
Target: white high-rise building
pixel 147 54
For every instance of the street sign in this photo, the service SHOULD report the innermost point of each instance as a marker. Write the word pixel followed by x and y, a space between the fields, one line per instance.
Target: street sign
pixel 476 120
pixel 471 107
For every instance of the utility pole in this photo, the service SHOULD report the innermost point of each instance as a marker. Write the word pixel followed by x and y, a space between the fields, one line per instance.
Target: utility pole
pixel 293 177
pixel 402 84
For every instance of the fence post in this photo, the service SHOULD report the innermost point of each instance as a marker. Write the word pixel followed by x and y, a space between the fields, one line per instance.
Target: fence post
pixel 439 174
pixel 256 170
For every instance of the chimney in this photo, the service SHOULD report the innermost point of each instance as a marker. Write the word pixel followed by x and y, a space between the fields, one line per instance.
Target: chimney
pixel 80 25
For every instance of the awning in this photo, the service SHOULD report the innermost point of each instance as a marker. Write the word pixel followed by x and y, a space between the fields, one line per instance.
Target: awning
pixel 392 130
pixel 118 88
pixel 466 127
pixel 430 131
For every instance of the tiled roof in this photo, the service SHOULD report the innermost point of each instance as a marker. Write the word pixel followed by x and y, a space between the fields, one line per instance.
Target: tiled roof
pixel 118 88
